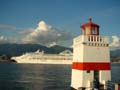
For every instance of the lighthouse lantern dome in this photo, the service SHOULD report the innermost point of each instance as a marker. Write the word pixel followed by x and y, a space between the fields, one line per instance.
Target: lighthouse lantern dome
pixel 90 28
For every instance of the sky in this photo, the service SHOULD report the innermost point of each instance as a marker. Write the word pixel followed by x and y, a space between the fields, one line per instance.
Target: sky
pixel 51 22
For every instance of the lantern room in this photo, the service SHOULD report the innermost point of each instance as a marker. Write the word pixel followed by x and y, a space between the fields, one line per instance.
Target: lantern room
pixel 90 28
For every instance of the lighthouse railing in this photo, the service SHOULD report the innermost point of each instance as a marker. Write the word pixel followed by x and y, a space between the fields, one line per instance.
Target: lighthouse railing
pixel 91 38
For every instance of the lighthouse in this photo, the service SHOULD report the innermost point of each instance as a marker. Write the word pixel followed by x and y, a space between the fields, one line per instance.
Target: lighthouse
pixel 91 58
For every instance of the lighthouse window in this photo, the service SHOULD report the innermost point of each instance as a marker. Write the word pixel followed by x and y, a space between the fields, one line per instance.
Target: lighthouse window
pixel 98 44
pixel 92 44
pixel 107 45
pixel 100 39
pixel 104 44
pixel 95 44
pixel 88 71
pixel 89 44
pixel 84 43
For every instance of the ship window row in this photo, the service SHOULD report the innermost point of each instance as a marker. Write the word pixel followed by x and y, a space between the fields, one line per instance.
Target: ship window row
pixel 96 44
pixel 45 57
pixel 51 58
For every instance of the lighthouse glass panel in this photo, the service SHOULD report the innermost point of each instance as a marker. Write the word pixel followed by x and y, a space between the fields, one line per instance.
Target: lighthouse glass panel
pixel 83 32
pixel 87 30
pixel 94 31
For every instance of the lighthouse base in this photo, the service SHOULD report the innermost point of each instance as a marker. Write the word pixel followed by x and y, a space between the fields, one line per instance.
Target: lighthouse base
pixel 83 88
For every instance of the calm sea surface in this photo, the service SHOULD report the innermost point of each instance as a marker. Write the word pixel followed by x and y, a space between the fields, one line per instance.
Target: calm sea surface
pixel 15 76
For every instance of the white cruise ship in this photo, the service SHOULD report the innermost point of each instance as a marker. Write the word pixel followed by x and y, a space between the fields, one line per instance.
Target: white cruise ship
pixel 38 57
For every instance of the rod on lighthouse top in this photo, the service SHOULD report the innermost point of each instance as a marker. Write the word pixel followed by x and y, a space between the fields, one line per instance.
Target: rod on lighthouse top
pixel 90 19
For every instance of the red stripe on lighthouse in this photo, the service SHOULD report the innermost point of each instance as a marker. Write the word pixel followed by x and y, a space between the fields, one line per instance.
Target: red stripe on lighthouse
pixel 91 66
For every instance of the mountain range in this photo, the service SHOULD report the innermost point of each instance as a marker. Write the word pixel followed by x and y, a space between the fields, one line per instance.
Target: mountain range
pixel 18 49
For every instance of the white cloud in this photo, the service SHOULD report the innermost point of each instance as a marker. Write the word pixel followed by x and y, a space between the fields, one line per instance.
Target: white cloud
pixel 42 26
pixel 26 31
pixel 16 30
pixel 7 40
pixel 52 44
pixel 46 35
pixel 116 41
pixel 7 27
pixel 43 34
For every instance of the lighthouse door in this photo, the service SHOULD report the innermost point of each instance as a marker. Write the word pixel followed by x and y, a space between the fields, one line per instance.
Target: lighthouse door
pixel 96 75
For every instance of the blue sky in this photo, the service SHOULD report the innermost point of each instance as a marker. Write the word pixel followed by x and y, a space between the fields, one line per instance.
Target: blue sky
pixel 18 17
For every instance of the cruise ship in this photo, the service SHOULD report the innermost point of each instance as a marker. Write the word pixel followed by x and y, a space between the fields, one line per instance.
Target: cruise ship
pixel 39 57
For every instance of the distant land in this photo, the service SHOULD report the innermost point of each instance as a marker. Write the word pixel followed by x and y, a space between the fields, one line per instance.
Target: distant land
pixel 115 55
pixel 9 50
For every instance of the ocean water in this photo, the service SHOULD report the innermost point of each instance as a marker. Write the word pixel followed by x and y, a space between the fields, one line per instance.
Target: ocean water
pixel 15 76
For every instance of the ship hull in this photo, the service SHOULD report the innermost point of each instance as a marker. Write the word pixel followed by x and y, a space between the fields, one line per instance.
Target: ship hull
pixel 44 61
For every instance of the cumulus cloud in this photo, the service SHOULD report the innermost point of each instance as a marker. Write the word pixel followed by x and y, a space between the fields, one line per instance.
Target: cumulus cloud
pixel 116 41
pixel 46 35
pixel 43 34
pixel 7 40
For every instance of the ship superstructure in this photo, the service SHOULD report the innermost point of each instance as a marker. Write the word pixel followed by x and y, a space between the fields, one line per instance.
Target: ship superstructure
pixel 38 57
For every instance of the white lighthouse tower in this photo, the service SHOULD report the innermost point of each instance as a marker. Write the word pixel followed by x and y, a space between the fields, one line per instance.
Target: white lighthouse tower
pixel 91 58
